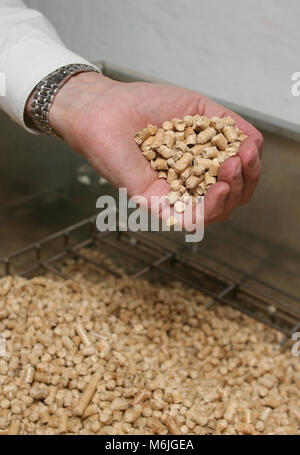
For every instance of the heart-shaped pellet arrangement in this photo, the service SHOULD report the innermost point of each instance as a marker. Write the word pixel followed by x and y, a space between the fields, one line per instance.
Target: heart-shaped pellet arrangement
pixel 188 152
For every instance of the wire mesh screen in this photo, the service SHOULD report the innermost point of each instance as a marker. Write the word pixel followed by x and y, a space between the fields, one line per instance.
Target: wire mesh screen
pixel 158 257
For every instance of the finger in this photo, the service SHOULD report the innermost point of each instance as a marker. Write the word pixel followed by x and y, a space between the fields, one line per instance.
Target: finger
pixel 215 201
pixel 231 173
pixel 251 165
pixel 192 218
pixel 214 204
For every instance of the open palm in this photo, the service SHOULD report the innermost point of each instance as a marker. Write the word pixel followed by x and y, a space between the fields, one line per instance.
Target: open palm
pixel 98 118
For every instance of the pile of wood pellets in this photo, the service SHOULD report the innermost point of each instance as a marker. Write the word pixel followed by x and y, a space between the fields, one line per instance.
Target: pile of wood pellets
pixel 97 354
pixel 188 153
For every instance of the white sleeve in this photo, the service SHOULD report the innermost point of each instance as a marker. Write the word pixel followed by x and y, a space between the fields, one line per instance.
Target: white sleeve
pixel 30 49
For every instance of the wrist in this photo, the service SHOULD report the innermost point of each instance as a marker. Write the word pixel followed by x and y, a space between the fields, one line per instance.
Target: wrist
pixel 70 94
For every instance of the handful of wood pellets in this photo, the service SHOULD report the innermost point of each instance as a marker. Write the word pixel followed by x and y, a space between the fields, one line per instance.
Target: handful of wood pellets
pixel 188 152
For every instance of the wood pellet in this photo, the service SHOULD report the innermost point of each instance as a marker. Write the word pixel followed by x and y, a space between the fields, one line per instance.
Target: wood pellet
pixel 188 153
pixel 107 355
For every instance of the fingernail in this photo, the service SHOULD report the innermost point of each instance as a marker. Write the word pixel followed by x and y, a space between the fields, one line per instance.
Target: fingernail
pixel 238 172
pixel 254 160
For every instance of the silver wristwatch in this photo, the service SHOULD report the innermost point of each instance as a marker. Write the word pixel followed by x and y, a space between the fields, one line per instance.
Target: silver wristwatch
pixel 45 93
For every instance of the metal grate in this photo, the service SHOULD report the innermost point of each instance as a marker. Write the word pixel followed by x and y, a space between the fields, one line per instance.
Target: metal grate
pixel 157 257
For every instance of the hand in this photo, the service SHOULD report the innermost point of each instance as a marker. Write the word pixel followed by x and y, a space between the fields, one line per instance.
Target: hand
pixel 98 118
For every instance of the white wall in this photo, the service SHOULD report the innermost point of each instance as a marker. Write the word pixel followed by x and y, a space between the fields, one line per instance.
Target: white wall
pixel 243 51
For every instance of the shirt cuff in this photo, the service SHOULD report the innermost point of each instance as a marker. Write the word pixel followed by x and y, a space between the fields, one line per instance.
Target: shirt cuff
pixel 26 64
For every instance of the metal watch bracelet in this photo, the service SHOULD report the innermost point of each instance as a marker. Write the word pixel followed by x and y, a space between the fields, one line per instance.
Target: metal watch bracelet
pixel 46 90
